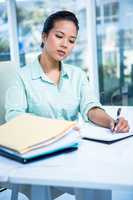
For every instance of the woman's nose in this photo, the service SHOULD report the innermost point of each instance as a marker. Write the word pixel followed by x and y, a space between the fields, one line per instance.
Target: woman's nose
pixel 64 43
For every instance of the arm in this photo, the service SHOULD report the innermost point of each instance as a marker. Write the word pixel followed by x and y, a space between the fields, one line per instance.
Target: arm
pixel 92 110
pixel 101 118
pixel 87 99
pixel 16 101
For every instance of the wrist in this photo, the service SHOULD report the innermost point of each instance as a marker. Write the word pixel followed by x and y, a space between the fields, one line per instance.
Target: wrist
pixel 111 123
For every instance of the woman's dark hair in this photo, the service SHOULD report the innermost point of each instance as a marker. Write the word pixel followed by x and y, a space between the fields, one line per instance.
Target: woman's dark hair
pixel 60 15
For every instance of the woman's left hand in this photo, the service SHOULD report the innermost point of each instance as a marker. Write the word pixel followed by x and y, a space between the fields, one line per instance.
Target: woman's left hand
pixel 121 127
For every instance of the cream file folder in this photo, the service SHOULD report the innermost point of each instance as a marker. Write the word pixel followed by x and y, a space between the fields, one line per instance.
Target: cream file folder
pixel 33 135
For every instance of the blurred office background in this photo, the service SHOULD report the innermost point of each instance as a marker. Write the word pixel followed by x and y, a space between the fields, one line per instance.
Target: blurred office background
pixel 104 47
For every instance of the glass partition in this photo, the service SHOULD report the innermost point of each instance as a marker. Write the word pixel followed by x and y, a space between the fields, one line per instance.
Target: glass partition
pixel 115 49
pixel 4 33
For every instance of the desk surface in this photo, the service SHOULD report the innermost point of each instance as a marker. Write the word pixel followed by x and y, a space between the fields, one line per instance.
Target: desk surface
pixel 93 165
pixel 6 167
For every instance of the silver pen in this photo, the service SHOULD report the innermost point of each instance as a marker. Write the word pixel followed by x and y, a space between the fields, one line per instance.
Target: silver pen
pixel 118 115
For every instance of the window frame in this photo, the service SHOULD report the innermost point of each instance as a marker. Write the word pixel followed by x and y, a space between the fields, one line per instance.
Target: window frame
pixel 13 38
pixel 92 48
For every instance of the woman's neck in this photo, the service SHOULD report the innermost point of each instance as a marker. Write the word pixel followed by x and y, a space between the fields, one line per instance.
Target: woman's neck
pixel 48 64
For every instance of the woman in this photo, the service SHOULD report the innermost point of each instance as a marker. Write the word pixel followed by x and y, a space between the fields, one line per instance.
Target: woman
pixel 50 88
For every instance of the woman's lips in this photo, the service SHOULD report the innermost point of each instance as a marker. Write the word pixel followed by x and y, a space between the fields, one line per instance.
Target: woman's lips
pixel 61 53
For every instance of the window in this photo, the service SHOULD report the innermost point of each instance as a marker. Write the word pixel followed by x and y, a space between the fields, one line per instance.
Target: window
pixel 115 50
pixel 4 34
pixel 111 11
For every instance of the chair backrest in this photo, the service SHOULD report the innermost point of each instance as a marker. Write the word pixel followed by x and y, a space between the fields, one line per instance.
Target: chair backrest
pixel 7 75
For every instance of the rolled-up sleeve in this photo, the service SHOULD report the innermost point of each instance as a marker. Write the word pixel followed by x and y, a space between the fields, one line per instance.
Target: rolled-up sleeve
pixel 15 101
pixel 87 99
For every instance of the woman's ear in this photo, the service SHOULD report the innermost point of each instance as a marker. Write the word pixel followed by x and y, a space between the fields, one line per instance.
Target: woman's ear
pixel 44 37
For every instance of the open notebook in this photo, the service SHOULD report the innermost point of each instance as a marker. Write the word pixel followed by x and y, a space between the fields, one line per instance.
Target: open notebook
pixel 93 132
pixel 28 137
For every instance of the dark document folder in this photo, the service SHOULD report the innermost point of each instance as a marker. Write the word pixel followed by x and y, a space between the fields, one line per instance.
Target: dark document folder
pixel 100 134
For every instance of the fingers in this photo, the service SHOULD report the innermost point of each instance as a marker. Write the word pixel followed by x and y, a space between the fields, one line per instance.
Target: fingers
pixel 112 126
pixel 122 126
pixel 76 128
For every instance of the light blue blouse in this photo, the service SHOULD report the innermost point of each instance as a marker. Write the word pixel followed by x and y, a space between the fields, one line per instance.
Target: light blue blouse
pixel 33 92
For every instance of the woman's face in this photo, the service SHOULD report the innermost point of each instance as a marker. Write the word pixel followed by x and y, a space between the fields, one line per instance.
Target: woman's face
pixel 59 42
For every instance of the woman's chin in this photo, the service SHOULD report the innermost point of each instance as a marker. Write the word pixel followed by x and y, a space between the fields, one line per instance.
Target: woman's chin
pixel 59 58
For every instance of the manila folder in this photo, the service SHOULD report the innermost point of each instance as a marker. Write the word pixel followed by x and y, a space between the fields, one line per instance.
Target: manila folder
pixel 26 130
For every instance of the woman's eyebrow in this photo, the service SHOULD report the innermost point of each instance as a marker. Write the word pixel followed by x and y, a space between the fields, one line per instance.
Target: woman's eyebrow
pixel 64 34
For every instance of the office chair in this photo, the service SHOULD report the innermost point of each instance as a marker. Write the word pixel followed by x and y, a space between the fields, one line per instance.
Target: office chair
pixel 7 75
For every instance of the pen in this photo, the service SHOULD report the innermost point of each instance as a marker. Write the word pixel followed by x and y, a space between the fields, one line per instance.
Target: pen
pixel 118 115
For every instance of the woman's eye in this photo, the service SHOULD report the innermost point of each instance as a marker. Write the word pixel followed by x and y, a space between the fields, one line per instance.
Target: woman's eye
pixel 72 41
pixel 59 36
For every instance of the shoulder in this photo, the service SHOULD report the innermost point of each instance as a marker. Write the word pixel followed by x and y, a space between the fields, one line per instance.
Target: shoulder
pixel 74 70
pixel 26 71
